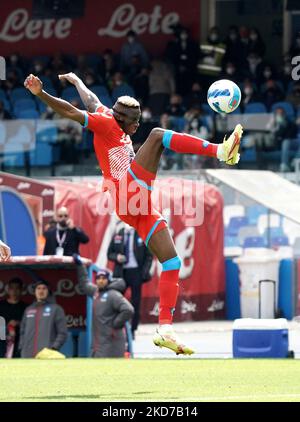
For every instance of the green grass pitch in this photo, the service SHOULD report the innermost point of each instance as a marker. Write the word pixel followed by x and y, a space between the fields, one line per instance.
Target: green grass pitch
pixel 128 380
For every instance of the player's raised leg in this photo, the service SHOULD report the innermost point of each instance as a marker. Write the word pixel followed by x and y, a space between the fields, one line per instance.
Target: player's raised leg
pixel 150 152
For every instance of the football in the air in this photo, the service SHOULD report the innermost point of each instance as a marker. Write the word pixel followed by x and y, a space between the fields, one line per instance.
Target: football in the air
pixel 224 96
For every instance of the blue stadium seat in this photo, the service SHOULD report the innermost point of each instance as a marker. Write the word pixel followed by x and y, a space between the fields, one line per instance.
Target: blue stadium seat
pixel 106 100
pixel 30 113
pixel 254 211
pixel 13 155
pixel 20 93
pixel 3 94
pixel 236 223
pixel 280 241
pixel 47 83
pixel 207 109
pixel 100 90
pixel 273 232
pixel 6 104
pixel 24 104
pixel 121 90
pixel 289 109
pixel 254 242
pixel 253 108
pixel 43 153
pixel 231 241
pixel 69 92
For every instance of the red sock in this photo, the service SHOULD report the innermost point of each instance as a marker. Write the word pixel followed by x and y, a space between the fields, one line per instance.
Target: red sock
pixel 187 144
pixel 168 292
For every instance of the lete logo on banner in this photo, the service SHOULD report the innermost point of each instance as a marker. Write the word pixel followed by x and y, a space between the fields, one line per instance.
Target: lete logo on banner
pixel 151 22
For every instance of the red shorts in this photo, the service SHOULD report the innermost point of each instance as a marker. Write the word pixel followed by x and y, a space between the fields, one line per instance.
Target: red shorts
pixel 133 202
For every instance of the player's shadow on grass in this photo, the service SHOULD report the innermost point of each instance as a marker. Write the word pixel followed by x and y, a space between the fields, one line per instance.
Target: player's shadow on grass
pixel 89 396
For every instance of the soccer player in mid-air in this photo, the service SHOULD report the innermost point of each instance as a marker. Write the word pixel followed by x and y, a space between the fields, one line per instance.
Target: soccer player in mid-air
pixel 121 167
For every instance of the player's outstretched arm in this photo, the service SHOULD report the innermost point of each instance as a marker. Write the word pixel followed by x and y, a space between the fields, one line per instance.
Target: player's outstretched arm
pixel 62 107
pixel 89 99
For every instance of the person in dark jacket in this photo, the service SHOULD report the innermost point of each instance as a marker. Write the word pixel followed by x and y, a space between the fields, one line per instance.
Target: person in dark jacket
pixel 111 310
pixel 12 310
pixel 132 262
pixel 43 324
pixel 64 239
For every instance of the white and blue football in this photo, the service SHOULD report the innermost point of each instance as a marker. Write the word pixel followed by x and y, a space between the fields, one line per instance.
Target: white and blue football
pixel 224 96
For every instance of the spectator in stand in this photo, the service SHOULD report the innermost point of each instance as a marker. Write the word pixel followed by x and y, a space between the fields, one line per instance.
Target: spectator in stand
pixel 161 78
pixel 4 114
pixel 235 50
pixel 118 83
pixel 108 66
pixel 271 93
pixel 256 44
pixel 43 324
pixel 111 310
pixel 65 238
pixel 294 96
pixel 132 47
pixel 12 80
pixel 250 95
pixel 184 56
pixel 132 263
pixel 196 96
pixel 278 129
pixel 231 72
pixel 138 78
pixel 290 146
pixel 268 74
pixel 285 74
pixel 244 37
pixel 176 107
pixel 12 310
pixel 254 67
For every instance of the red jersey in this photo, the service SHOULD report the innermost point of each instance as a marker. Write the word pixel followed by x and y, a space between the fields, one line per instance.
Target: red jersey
pixel 113 147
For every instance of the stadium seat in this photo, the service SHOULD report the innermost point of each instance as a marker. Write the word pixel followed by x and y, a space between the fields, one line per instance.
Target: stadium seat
pixel 106 100
pixel 121 90
pixel 47 83
pixel 231 241
pixel 100 90
pixel 253 108
pixel 20 93
pixel 28 114
pixel 254 211
pixel 273 232
pixel 289 109
pixel 279 241
pixel 13 155
pixel 247 231
pixel 69 92
pixel 254 242
pixel 236 223
pixel 45 140
pixel 232 211
pixel 24 104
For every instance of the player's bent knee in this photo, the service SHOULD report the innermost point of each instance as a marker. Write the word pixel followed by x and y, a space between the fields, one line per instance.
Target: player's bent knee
pixel 156 135
pixel 172 264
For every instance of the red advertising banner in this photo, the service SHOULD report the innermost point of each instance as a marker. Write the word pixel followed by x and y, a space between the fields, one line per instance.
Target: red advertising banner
pixel 103 25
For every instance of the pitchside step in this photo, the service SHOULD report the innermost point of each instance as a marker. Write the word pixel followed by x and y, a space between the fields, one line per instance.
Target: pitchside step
pixel 260 338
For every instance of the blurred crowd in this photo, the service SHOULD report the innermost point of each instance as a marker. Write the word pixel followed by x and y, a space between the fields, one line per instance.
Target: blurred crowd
pixel 171 89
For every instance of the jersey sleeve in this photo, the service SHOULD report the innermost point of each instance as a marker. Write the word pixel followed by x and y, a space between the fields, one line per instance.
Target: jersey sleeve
pixel 100 122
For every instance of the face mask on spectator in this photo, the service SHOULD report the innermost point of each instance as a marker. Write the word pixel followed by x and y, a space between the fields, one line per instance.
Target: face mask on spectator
pixel 230 70
pixel 130 39
pixel 233 36
pixel 248 90
pixel 146 115
pixel 279 118
pixel 267 74
pixel 38 68
pixel 287 70
pixel 14 59
pixel 194 124
pixel 253 37
pixel 89 81
pixel 183 36
pixel 213 37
